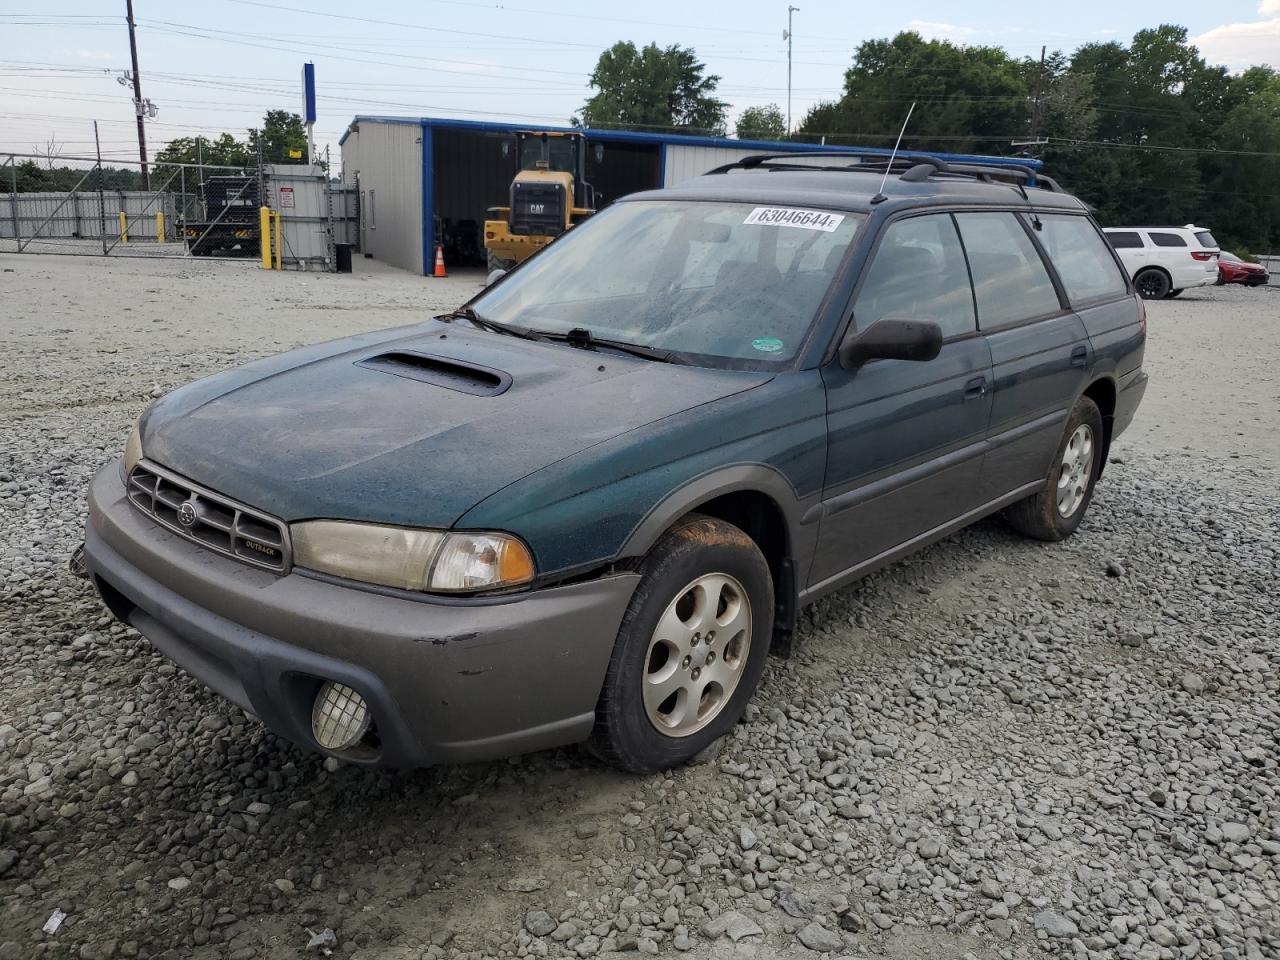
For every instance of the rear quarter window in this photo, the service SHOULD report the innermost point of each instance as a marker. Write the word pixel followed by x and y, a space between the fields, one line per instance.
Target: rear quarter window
pixel 1206 239
pixel 1167 239
pixel 1124 239
pixel 1077 251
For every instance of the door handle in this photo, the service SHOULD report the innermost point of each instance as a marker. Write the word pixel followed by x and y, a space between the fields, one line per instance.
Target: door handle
pixel 977 387
pixel 1079 355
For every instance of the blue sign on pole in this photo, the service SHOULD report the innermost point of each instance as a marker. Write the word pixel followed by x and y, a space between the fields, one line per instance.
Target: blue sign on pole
pixel 308 93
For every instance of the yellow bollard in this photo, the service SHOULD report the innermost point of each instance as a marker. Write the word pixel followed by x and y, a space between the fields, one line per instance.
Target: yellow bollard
pixel 264 233
pixel 159 226
pixel 124 228
pixel 279 245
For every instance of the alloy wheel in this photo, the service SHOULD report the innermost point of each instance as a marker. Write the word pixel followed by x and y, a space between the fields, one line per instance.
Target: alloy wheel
pixel 1076 470
pixel 697 654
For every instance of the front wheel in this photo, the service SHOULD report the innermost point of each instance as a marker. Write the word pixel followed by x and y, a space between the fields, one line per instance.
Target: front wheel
pixel 691 649
pixel 1054 511
pixel 496 262
pixel 1152 284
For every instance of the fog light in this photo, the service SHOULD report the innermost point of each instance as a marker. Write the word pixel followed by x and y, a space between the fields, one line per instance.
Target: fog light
pixel 340 717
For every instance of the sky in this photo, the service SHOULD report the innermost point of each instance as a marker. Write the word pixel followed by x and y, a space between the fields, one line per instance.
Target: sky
pixel 218 65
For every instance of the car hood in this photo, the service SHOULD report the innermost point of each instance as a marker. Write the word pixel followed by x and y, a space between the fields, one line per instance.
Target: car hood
pixel 389 427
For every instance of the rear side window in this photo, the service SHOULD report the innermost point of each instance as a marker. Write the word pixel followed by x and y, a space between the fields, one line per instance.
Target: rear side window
pixel 1085 266
pixel 1167 239
pixel 918 274
pixel 1124 239
pixel 1010 281
pixel 1206 238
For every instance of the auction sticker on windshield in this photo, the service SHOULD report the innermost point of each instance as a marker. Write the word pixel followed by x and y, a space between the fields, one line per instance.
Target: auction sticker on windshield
pixel 791 217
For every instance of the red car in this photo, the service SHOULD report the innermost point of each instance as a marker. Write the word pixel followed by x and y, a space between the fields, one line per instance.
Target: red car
pixel 1231 269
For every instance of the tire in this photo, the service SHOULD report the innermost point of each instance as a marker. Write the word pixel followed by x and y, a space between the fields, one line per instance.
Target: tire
pixel 498 263
pixel 1045 516
pixel 699 556
pixel 1152 284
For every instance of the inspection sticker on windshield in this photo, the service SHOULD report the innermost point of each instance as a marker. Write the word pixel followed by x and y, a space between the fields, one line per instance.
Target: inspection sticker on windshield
pixel 767 344
pixel 791 217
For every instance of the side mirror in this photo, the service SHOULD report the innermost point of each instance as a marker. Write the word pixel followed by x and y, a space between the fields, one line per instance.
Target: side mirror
pixel 891 338
pixel 494 276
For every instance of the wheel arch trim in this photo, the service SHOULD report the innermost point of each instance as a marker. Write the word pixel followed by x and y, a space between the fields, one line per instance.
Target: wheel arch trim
pixel 737 478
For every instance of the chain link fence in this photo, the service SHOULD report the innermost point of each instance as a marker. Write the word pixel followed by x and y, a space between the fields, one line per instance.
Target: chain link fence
pixel 78 205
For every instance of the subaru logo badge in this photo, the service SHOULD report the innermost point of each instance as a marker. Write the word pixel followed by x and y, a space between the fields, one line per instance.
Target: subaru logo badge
pixel 187 514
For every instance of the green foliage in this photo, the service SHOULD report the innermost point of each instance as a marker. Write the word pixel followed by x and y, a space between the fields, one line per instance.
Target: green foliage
pixel 967 98
pixel 30 177
pixel 654 88
pixel 281 132
pixel 761 123
pixel 1148 133
pixel 221 151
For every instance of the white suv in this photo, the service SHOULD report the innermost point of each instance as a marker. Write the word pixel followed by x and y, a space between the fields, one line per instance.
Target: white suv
pixel 1164 261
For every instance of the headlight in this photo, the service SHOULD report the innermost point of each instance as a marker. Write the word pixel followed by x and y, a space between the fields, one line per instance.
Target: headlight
pixel 132 449
pixel 410 559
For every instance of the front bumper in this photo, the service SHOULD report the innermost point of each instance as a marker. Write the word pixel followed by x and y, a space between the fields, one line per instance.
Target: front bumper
pixel 446 681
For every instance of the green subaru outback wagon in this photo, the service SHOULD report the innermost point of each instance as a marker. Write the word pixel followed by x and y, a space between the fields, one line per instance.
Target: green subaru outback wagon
pixel 585 506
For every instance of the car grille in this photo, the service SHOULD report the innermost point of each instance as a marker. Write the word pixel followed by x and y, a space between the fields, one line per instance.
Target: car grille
pixel 209 519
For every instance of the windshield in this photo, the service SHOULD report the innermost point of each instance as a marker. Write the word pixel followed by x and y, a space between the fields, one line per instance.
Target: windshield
pixel 708 281
pixel 561 153
pixel 1230 257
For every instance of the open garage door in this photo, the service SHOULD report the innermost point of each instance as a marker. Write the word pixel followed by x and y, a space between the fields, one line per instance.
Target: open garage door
pixel 473 171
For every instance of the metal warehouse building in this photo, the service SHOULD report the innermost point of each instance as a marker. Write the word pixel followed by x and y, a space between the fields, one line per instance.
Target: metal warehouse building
pixel 424 180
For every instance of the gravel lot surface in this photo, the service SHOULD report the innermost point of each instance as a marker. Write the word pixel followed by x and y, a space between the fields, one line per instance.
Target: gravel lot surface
pixel 996 748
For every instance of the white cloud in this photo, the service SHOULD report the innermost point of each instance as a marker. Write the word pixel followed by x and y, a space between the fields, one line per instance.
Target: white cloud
pixel 932 30
pixel 1240 45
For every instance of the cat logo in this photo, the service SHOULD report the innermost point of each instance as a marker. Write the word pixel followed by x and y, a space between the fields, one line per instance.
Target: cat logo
pixel 537 208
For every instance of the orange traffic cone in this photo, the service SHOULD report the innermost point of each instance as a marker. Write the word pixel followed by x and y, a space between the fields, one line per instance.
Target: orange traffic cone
pixel 440 271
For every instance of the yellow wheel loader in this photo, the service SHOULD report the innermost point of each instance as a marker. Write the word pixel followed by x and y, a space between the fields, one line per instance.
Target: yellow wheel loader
pixel 548 196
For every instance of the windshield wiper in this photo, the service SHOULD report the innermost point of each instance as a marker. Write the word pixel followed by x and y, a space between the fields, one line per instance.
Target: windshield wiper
pixel 586 340
pixel 484 323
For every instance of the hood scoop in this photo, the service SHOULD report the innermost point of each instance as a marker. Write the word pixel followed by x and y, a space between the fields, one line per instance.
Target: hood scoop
pixel 444 372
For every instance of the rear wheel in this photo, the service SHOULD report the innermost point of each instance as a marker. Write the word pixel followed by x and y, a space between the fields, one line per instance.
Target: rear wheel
pixel 1152 284
pixel 1056 509
pixel 691 648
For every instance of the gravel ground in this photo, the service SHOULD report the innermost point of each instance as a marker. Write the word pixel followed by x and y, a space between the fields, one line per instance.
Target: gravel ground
pixel 993 749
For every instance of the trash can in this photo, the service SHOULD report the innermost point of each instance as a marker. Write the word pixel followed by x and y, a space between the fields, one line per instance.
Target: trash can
pixel 343 257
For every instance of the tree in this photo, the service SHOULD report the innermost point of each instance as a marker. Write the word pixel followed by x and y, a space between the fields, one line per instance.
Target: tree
pixel 653 89
pixel 50 150
pixel 968 99
pixel 221 151
pixel 761 123
pixel 281 132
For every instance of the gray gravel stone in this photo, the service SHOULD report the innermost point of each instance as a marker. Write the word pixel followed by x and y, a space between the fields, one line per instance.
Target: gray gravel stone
pixel 539 923
pixel 819 938
pixel 1056 925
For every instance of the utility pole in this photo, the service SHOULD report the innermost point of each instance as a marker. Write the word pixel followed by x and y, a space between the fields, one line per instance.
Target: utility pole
pixel 137 95
pixel 786 35
pixel 1035 109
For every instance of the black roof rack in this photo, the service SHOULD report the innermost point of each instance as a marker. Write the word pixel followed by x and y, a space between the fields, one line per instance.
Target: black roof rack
pixel 912 168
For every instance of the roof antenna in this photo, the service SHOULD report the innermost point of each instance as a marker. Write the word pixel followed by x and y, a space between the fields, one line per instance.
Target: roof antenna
pixel 880 197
